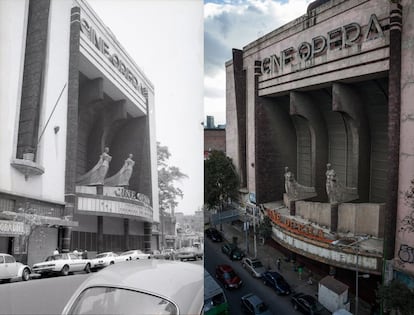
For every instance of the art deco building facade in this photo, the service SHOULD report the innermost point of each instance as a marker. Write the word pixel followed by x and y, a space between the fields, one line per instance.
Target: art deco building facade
pixel 319 127
pixel 78 163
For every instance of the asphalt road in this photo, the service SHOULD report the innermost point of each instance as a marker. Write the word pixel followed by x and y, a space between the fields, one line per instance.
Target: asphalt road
pixel 46 296
pixel 277 304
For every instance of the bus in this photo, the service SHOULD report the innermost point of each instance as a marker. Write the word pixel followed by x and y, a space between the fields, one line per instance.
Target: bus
pixel 215 301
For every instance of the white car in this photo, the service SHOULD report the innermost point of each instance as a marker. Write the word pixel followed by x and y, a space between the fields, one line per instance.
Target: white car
pixel 186 253
pixel 254 266
pixel 150 286
pixel 62 264
pixel 133 255
pixel 105 259
pixel 11 269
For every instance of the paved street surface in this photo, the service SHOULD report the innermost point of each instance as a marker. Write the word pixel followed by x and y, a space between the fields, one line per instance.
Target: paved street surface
pixel 46 296
pixel 268 255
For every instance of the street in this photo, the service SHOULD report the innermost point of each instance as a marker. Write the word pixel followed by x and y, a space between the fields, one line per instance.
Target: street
pixel 277 304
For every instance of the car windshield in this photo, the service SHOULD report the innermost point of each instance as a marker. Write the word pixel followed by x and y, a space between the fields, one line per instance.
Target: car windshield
pixel 54 257
pixel 109 300
pixel 102 255
pixel 257 264
pixel 229 275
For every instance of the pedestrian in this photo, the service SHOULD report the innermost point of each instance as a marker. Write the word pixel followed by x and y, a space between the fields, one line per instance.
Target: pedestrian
pixel 279 264
pixel 76 252
pixel 85 254
pixel 56 252
pixel 300 271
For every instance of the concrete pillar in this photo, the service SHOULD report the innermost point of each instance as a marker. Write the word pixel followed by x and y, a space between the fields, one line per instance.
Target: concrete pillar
pixel 99 234
pixel 126 234
pixel 67 234
pixel 147 236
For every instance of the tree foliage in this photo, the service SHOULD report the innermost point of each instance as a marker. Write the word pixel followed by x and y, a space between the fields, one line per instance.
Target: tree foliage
pixel 265 228
pixel 167 178
pixel 220 179
pixel 398 297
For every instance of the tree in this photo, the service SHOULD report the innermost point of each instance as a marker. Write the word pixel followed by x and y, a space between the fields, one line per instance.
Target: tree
pixel 221 181
pixel 397 296
pixel 265 228
pixel 167 177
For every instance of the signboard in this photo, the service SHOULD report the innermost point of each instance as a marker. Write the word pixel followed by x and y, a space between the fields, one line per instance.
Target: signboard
pixel 252 197
pixel 100 206
pixel 12 228
pixel 120 192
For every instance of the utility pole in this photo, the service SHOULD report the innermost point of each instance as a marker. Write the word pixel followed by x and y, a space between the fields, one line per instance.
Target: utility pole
pixel 254 231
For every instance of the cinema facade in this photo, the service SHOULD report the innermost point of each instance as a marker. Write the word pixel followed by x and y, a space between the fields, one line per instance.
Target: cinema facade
pixel 78 163
pixel 319 126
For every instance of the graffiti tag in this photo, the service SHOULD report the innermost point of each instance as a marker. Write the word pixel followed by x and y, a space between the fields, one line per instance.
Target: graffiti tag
pixel 406 254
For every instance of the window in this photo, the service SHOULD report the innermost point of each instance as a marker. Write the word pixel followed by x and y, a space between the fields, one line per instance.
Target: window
pixel 1 259
pixel 108 300
pixel 9 259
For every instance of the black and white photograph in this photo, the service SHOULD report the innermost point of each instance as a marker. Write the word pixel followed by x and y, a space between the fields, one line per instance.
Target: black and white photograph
pixel 216 157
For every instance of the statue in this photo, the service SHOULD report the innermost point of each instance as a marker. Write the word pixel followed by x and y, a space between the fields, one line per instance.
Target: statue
pixel 122 177
pixel 96 175
pixel 294 190
pixel 335 190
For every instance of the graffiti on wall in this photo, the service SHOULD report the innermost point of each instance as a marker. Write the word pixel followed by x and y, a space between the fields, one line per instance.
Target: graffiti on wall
pixel 406 254
pixel 406 225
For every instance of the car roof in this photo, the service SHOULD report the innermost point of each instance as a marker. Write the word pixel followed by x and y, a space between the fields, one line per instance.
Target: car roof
pixel 225 268
pixel 254 299
pixel 273 274
pixel 182 283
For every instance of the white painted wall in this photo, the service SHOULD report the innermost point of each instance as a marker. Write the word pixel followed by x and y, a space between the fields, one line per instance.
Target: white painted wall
pixel 13 40
pixel 51 151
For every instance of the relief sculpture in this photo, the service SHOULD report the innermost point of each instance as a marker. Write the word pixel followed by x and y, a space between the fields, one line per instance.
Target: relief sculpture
pixel 96 175
pixel 121 179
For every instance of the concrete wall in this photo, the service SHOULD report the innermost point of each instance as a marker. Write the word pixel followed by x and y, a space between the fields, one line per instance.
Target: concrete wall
pixel 51 148
pixel 214 139
pixel 404 246
pixel 361 218
pixel 317 212
pixel 42 243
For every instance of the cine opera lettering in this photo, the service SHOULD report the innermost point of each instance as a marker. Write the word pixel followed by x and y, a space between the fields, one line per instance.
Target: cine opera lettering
pixel 104 48
pixel 341 37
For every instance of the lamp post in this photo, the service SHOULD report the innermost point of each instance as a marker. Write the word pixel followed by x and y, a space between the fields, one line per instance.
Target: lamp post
pixel 254 231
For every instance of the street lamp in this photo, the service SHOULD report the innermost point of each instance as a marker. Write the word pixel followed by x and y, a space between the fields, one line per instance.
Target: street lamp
pixel 357 276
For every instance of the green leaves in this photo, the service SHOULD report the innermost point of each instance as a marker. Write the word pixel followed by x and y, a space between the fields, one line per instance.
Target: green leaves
pixel 397 296
pixel 221 181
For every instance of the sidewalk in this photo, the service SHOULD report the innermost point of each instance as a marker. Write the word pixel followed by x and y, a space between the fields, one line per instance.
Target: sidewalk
pixel 269 255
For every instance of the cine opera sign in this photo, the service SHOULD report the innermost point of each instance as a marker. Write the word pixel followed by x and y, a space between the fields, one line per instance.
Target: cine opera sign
pixel 117 62
pixel 341 37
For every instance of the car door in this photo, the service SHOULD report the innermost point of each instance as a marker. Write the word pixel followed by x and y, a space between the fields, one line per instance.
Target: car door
pixel 4 274
pixel 75 263
pixel 11 266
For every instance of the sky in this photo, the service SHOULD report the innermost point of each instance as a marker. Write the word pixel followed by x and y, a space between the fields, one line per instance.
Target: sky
pixel 232 24
pixel 165 39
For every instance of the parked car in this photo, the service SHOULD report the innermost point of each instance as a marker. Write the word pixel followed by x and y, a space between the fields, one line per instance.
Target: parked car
pixel 214 234
pixel 11 269
pixel 252 304
pixel 226 275
pixel 232 251
pixel 62 264
pixel 307 304
pixel 134 255
pixel 141 287
pixel 104 259
pixel 186 253
pixel 277 282
pixel 254 266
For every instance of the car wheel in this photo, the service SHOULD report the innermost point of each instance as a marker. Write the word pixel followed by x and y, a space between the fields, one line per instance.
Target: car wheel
pixel 112 262
pixel 25 274
pixel 87 268
pixel 65 270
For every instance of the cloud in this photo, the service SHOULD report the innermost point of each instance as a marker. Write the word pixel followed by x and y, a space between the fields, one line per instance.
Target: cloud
pixel 234 24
